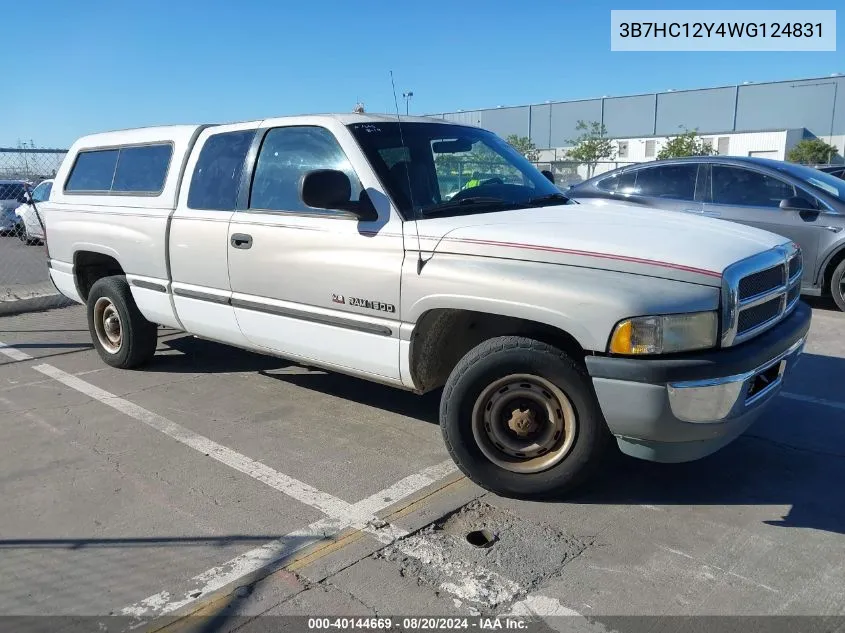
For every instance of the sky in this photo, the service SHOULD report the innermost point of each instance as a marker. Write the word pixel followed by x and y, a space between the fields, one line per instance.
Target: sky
pixel 92 66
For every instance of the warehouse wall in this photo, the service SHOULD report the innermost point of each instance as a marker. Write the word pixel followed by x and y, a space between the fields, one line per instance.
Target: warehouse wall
pixel 815 104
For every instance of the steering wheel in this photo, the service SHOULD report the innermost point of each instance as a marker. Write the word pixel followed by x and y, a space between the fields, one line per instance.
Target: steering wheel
pixel 492 181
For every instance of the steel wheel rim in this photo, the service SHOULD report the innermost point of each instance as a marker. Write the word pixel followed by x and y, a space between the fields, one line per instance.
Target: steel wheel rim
pixel 524 423
pixel 107 325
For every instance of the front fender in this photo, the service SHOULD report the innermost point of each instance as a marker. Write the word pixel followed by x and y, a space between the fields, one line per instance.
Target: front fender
pixel 505 308
pixel 584 302
pixel 836 250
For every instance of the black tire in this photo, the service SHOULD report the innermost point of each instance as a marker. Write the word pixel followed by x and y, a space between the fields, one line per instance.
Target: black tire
pixel 137 336
pixel 22 234
pixel 497 360
pixel 837 285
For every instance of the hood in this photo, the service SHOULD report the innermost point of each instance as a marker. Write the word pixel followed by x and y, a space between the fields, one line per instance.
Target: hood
pixel 606 235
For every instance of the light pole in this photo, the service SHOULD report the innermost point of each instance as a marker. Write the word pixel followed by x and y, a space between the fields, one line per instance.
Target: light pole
pixel 407 97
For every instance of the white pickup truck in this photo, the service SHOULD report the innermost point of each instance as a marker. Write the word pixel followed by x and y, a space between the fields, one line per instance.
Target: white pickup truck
pixel 552 327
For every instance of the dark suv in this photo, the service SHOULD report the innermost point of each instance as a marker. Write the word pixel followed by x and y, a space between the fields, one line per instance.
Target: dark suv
pixel 804 204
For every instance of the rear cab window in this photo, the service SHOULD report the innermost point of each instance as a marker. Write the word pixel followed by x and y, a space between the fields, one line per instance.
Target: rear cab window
pixel 139 170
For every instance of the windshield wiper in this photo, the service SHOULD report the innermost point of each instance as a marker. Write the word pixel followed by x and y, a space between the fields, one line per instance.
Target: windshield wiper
pixel 550 198
pixel 470 204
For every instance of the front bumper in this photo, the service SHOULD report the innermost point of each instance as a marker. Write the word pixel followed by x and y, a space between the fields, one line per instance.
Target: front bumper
pixel 684 407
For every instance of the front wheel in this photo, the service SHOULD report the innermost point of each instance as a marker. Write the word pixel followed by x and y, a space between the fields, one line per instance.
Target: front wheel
pixel 837 285
pixel 520 418
pixel 122 336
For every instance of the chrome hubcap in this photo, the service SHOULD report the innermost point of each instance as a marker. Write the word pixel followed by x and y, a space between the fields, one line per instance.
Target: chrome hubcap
pixel 107 325
pixel 524 423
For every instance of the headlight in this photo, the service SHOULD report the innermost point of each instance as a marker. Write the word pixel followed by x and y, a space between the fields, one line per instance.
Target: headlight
pixel 665 334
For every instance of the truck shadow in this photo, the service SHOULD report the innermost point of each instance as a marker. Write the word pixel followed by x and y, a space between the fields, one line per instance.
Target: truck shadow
pixel 200 356
pixel 794 456
pixel 821 303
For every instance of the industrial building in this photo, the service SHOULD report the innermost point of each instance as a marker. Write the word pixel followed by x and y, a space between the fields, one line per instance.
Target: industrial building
pixel 751 119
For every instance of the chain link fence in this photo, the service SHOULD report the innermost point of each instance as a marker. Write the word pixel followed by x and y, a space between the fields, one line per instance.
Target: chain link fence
pixel 24 281
pixel 32 165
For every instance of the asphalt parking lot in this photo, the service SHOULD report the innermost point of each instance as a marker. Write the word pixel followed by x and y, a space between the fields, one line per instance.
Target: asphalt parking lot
pixel 230 485
pixel 21 264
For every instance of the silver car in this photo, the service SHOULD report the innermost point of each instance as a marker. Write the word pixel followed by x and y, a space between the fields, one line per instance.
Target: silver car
pixel 11 197
pixel 801 203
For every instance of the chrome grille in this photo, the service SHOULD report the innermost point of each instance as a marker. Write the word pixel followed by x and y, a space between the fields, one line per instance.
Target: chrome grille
pixel 759 292
pixel 763 313
pixel 761 282
pixel 796 264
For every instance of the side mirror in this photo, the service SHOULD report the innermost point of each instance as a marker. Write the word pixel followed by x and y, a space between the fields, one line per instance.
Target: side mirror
pixel 797 203
pixel 331 189
pixel 27 197
pixel 549 175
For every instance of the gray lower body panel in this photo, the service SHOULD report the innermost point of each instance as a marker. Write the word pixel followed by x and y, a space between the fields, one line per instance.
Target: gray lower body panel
pixel 687 420
pixel 640 417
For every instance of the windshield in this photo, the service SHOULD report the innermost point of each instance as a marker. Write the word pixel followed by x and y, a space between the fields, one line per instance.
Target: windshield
pixel 818 179
pixel 42 192
pixel 434 168
pixel 11 191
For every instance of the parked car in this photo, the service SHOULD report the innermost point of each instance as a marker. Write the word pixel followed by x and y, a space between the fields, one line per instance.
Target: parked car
pixel 12 195
pixel 550 327
pixel 834 170
pixel 801 203
pixel 31 217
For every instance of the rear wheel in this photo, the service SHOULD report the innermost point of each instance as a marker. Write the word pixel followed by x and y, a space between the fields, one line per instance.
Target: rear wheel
pixel 122 336
pixel 837 285
pixel 520 418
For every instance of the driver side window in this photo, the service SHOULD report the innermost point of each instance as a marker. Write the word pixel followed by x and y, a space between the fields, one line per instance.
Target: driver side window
pixel 458 171
pixel 286 155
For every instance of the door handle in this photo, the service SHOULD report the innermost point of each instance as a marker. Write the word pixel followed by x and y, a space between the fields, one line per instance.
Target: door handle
pixel 693 211
pixel 832 229
pixel 241 240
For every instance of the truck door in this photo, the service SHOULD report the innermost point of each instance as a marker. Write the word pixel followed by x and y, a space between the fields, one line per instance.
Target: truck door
pixel 316 284
pixel 198 237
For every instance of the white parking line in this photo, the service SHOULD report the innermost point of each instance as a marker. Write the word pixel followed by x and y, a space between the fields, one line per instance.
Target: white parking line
pixel 813 400
pixel 273 555
pixel 325 503
pixel 14 354
pixel 340 514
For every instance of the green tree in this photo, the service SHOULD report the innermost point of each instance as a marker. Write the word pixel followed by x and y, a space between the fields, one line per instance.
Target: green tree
pixel 811 151
pixel 591 146
pixel 687 144
pixel 524 146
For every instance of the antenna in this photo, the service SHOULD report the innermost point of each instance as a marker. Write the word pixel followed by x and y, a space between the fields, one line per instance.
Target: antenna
pixel 420 261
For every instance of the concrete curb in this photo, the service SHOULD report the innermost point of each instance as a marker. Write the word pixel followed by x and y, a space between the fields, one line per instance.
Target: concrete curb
pixel 31 298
